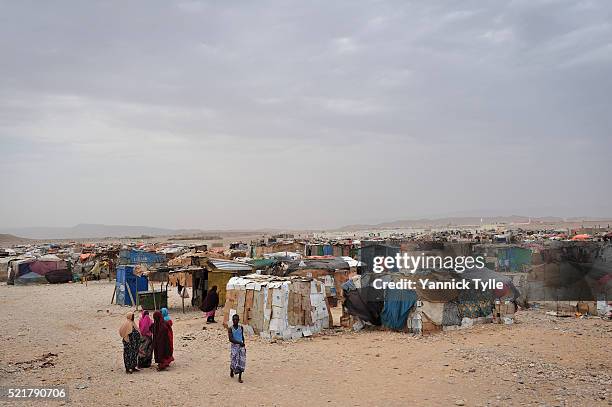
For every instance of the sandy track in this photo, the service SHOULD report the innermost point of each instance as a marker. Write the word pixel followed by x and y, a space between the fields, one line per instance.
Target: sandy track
pixel 539 361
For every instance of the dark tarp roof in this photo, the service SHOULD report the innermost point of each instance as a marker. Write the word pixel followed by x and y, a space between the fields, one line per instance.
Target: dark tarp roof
pixel 337 263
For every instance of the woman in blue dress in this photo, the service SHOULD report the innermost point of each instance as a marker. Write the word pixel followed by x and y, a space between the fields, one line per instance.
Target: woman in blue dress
pixel 238 349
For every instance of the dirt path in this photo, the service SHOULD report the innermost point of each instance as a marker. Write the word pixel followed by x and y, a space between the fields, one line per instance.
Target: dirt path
pixel 540 360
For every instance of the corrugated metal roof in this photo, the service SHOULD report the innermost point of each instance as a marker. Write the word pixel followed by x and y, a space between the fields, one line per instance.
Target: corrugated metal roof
pixel 228 265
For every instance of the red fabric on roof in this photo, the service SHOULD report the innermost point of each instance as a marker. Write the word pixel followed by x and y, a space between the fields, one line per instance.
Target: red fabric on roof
pixel 581 237
pixel 84 256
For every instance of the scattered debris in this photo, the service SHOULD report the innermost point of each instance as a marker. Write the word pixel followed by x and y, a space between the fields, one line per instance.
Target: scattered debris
pixel 44 361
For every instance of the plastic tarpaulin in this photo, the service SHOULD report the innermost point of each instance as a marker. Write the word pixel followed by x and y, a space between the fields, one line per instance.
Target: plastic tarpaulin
pixel 140 257
pixel 362 302
pixel 434 311
pixel 40 272
pixel 397 306
pixel 358 306
pixel 263 263
pixel 335 263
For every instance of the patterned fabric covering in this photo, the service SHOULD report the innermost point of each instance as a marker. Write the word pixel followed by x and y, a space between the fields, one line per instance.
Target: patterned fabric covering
pixel 238 358
pixel 145 351
pixel 34 271
pixel 450 315
pixel 130 350
pixel 475 303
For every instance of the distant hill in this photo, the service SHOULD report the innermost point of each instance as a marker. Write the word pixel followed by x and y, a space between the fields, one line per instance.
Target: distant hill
pixel 470 220
pixel 97 231
pixel 8 240
pixel 83 231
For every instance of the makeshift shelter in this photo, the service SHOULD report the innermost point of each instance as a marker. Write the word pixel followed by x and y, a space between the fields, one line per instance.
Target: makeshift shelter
pixel 283 255
pixel 150 298
pixel 5 265
pixel 513 258
pixel 572 277
pixel 41 270
pixel 128 285
pixel 371 249
pixel 345 249
pixel 265 265
pixel 427 310
pixel 140 257
pixel 320 249
pixel 260 251
pixel 193 276
pixel 277 307
pixel 331 271
pixel 221 271
pixel 189 259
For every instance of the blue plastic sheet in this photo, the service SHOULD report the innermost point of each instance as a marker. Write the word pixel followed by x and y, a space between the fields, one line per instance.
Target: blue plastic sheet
pixel 140 257
pixel 397 306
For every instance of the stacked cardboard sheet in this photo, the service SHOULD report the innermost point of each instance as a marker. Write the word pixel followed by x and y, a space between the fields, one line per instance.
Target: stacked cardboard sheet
pixel 277 307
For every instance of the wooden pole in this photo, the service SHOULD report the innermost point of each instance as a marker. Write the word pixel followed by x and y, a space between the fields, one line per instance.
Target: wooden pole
pixel 114 290
pixel 130 293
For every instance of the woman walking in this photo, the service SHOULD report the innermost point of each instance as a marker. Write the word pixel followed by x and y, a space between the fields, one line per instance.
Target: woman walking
pixel 238 348
pixel 145 351
pixel 162 341
pixel 168 321
pixel 210 304
pixel 130 338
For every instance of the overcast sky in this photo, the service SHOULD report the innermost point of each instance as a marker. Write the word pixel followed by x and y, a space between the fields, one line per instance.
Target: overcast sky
pixel 243 114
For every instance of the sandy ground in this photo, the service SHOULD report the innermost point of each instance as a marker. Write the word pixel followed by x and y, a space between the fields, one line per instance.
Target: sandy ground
pixel 541 360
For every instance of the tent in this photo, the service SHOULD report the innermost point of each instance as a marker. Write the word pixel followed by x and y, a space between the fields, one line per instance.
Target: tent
pixel 42 270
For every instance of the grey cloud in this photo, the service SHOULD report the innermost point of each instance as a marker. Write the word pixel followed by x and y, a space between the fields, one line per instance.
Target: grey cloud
pixel 246 96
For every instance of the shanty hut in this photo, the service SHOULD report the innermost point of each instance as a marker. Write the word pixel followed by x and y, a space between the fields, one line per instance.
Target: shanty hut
pixel 571 277
pixel 265 266
pixel 371 249
pixel 277 307
pixel 221 271
pixel 4 266
pixel 133 257
pixel 331 271
pixel 189 271
pixel 275 247
pixel 188 259
pixel 426 310
pixel 195 277
pixel 41 270
pixel 128 284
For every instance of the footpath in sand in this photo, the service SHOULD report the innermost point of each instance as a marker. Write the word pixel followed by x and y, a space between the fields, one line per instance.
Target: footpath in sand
pixel 66 335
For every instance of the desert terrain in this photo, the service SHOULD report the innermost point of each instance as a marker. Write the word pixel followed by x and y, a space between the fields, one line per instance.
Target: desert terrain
pixel 66 335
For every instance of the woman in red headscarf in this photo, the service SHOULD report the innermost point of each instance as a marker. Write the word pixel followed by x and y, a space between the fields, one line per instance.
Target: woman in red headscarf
pixel 162 341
